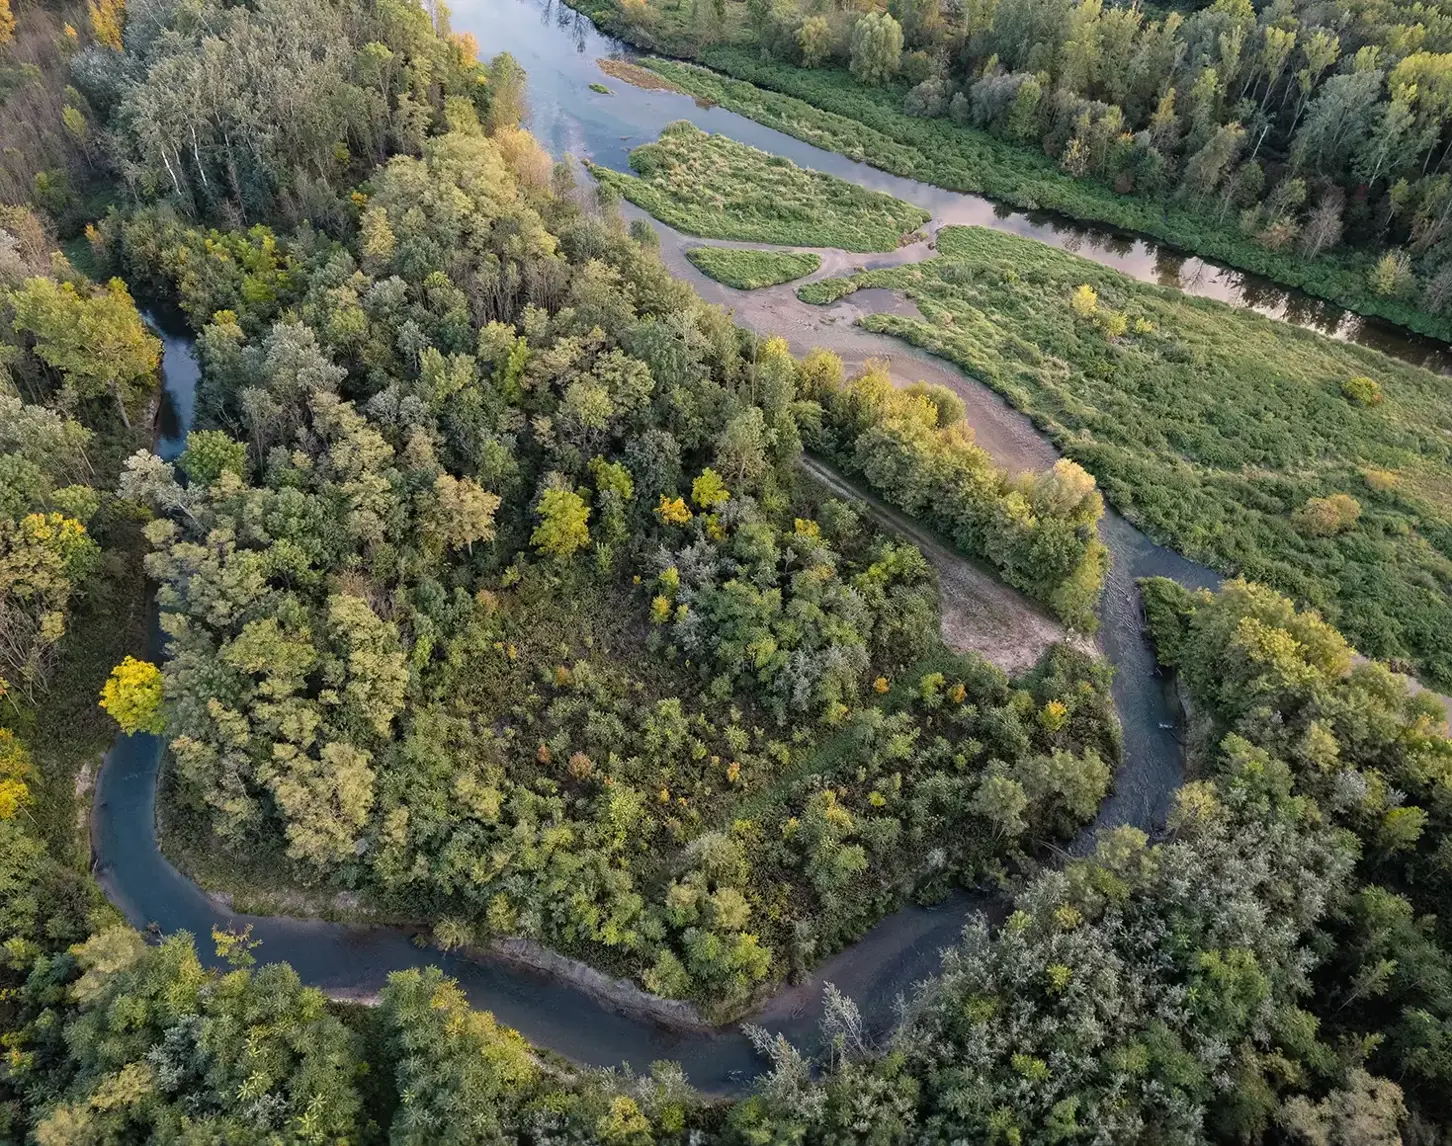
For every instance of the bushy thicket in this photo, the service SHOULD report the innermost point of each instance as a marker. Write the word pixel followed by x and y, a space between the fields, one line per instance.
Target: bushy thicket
pixel 1040 531
pixel 117 1041
pixel 73 359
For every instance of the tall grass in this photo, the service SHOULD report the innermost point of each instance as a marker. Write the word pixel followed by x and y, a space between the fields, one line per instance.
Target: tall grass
pixel 714 187
pixel 751 270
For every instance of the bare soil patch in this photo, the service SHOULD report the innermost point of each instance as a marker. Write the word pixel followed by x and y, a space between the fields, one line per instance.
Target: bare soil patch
pixel 635 75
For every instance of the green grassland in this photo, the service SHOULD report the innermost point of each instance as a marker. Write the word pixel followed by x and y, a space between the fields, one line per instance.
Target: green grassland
pixel 829 109
pixel 1212 427
pixel 751 270
pixel 714 187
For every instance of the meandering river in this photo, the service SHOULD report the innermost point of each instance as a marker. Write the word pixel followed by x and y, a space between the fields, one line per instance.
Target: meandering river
pixel 559 50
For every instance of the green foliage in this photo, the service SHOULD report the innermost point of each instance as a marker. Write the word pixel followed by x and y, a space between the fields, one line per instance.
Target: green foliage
pixel 121 1041
pixel 1279 693
pixel 45 561
pixel 1039 530
pixel 360 691
pixel 751 270
pixel 1250 474
pixel 96 341
pixel 876 47
pixel 278 1060
pixel 1168 607
pixel 210 454
pixel 212 274
pixel 461 1077
pixel 563 529
pixel 371 86
pixel 1263 939
pixel 712 186
pixel 1362 391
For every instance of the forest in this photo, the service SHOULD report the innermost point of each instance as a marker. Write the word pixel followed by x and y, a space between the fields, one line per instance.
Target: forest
pixel 1303 141
pixel 494 600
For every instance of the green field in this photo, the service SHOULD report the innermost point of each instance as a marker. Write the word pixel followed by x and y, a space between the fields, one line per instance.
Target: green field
pixel 1223 433
pixel 751 270
pixel 714 187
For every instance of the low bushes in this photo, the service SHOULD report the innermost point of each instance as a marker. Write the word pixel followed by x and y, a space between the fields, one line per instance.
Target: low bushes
pixel 751 270
pixel 714 187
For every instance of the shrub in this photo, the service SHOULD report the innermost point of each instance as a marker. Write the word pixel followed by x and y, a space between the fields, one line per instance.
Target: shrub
pixel 1391 276
pixel 1084 302
pixel 928 100
pixel 1327 516
pixel 1361 391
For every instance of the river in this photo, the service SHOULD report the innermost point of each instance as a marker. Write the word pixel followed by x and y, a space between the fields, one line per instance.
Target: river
pixel 353 961
pixel 559 50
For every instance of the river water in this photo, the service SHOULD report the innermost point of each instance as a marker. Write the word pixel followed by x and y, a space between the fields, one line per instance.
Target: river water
pixel 559 49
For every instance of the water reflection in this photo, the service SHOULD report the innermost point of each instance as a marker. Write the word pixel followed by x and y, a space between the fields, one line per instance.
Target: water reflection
pixel 179 371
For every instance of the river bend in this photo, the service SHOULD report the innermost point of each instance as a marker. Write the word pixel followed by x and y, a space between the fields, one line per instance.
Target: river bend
pixel 558 49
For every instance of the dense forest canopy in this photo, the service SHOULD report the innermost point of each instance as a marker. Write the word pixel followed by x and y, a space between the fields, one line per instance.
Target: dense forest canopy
pixel 492 592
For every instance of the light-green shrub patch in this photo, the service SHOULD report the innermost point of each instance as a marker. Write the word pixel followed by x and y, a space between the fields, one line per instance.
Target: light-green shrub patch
pixel 751 270
pixel 714 187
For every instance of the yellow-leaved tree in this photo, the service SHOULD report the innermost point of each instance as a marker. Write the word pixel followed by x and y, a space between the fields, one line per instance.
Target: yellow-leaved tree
pixel 132 695
pixel 564 528
pixel 15 770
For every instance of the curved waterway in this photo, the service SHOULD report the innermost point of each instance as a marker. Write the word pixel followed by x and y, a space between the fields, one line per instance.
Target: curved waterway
pixel 354 960
pixel 559 50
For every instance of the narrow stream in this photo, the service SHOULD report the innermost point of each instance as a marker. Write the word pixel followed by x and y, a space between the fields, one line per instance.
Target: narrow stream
pixel 559 50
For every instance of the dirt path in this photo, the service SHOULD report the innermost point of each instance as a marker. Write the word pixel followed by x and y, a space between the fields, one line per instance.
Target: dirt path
pixel 979 613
